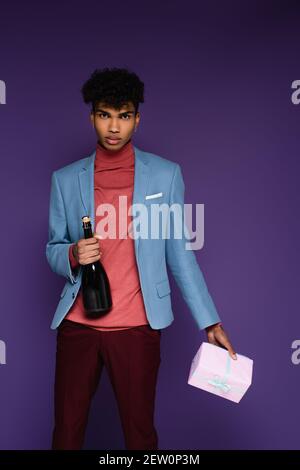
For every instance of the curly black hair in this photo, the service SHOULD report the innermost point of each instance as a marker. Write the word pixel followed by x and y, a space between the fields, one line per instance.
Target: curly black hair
pixel 114 87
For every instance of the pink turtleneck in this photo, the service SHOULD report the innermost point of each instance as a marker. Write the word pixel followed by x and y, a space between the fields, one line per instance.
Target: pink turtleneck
pixel 114 177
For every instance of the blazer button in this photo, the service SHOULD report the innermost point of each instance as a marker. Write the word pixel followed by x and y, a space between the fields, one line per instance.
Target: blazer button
pixel 73 295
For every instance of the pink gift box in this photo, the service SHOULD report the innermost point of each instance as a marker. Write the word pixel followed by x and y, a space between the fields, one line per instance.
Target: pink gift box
pixel 213 370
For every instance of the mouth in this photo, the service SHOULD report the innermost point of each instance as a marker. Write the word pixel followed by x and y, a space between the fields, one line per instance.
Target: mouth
pixel 112 140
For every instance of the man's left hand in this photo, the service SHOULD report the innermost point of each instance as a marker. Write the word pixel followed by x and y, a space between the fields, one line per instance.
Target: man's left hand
pixel 217 336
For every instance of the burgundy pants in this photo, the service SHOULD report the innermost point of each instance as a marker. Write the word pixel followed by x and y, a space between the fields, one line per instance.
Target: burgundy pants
pixel 132 359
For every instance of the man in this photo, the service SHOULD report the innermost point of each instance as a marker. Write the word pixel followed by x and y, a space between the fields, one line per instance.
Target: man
pixel 126 340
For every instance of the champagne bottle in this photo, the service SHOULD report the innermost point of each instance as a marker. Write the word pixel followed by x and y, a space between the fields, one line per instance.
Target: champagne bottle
pixel 95 284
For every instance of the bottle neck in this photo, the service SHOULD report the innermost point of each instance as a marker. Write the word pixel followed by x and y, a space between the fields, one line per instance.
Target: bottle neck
pixel 88 232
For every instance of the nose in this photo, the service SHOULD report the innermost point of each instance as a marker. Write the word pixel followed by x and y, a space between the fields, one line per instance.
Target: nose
pixel 114 125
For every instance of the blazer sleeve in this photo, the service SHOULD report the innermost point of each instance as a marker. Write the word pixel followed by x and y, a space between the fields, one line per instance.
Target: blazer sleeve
pixel 57 248
pixel 183 263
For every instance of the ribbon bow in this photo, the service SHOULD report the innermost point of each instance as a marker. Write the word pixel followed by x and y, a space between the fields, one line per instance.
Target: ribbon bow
pixel 220 383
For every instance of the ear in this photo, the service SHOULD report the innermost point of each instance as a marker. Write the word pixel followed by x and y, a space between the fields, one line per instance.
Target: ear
pixel 92 119
pixel 137 119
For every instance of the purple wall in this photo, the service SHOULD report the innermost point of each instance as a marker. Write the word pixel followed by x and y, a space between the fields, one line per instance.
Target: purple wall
pixel 217 101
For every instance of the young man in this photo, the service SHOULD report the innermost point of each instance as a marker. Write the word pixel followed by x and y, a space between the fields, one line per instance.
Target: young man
pixel 126 340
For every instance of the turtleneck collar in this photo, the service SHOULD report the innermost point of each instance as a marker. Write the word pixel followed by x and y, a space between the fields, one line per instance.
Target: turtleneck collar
pixel 114 159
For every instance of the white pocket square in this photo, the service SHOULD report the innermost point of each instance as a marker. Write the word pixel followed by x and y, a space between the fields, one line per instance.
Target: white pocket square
pixel 152 196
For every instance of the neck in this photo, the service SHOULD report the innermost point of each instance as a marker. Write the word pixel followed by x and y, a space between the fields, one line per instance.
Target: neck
pixel 107 157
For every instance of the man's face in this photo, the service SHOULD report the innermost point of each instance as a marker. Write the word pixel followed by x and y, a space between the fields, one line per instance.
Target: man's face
pixel 113 127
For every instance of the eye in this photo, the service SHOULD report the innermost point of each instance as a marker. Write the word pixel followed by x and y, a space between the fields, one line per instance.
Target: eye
pixel 126 116
pixel 102 114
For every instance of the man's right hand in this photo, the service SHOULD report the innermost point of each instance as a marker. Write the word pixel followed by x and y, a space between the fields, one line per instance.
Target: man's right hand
pixel 87 250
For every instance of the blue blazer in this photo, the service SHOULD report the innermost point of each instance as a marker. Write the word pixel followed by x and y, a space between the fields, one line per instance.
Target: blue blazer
pixel 72 197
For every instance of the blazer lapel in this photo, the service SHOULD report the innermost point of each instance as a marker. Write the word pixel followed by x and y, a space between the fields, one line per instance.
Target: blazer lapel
pixel 141 179
pixel 86 186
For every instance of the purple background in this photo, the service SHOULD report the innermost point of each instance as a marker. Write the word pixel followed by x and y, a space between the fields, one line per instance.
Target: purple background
pixel 217 100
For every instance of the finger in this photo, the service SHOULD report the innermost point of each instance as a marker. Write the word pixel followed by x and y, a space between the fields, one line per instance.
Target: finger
pixel 220 344
pixel 91 260
pixel 91 241
pixel 91 251
pixel 98 236
pixel 223 339
pixel 231 350
pixel 87 256
pixel 211 339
